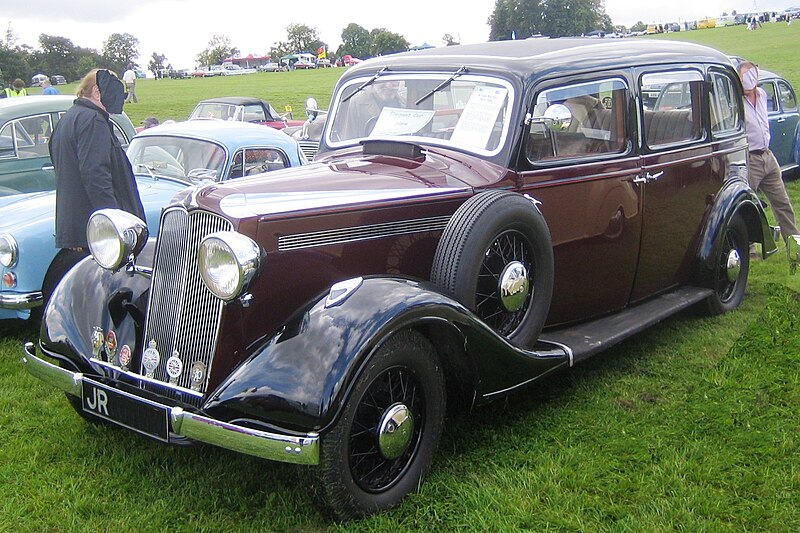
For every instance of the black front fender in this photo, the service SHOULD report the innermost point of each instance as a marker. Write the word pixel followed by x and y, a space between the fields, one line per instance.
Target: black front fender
pixel 300 378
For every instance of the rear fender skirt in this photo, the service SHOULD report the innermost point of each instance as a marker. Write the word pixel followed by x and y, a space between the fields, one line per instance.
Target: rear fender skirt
pixel 300 378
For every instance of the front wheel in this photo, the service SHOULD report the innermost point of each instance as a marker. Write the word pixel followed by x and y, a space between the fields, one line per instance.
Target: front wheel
pixel 388 432
pixel 731 268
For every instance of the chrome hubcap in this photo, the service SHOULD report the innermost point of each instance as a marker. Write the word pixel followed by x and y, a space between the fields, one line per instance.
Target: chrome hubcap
pixel 395 430
pixel 513 286
pixel 733 265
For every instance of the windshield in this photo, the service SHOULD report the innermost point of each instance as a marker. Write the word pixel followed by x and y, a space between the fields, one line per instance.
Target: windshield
pixel 177 157
pixel 449 108
pixel 214 110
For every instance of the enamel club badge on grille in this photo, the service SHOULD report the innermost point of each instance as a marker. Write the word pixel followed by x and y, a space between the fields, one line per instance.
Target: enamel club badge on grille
pixel 151 358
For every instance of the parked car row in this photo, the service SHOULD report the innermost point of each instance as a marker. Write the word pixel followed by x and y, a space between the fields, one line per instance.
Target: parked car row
pixel 477 218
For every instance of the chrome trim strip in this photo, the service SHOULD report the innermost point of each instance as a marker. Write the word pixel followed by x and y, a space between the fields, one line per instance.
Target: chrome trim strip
pixel 246 205
pixel 21 301
pixel 302 449
pixel 360 233
pixel 138 377
pixel 564 347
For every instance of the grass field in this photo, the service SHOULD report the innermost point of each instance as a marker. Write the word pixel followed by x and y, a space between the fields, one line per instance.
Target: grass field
pixel 691 426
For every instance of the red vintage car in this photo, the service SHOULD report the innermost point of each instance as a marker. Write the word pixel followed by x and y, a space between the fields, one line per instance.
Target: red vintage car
pixel 478 218
pixel 245 109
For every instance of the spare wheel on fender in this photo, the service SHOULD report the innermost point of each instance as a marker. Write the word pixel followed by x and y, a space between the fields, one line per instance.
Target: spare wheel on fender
pixel 495 256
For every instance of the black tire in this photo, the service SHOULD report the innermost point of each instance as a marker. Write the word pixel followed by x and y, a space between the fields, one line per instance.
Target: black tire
pixel 734 248
pixel 488 233
pixel 355 475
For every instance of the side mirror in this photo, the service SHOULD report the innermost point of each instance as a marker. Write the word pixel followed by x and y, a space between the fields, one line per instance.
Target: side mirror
pixel 557 117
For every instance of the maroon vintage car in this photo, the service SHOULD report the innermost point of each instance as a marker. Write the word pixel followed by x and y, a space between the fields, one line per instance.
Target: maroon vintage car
pixel 478 217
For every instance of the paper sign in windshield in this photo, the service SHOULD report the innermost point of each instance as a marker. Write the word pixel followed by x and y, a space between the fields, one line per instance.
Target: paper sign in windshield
pixel 477 122
pixel 397 121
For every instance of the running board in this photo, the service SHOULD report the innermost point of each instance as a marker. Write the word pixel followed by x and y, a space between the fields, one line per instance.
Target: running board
pixel 588 338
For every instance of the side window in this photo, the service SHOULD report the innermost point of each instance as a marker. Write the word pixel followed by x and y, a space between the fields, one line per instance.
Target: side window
pixel 7 141
pixel 254 113
pixel 255 160
pixel 671 107
pixel 581 120
pixel 724 105
pixel 119 134
pixel 788 98
pixel 772 101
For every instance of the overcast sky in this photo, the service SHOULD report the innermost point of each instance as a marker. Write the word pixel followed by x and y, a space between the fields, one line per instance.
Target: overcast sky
pixel 180 29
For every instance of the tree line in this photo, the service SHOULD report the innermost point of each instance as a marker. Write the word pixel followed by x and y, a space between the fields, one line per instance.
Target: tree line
pixel 510 19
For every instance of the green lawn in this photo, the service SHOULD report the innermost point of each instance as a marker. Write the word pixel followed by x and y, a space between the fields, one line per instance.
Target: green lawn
pixel 691 426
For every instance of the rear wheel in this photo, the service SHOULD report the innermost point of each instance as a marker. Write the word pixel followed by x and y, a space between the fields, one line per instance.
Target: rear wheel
pixel 388 432
pixel 731 268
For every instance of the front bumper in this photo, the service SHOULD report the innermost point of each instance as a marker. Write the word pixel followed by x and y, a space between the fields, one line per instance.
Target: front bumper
pixel 20 300
pixel 273 446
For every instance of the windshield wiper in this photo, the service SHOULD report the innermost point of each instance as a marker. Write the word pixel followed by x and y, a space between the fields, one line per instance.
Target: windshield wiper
pixel 444 84
pixel 365 84
pixel 150 170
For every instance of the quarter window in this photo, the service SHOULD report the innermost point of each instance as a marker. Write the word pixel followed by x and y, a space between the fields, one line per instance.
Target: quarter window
pixel 724 106
pixel 671 107
pixel 772 101
pixel 578 120
pixel 787 96
pixel 26 138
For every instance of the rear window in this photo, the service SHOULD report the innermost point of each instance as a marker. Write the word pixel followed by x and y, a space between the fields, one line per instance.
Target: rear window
pixel 671 107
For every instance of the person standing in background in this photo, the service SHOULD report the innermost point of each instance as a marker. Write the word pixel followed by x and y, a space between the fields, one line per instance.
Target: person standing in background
pixel 92 170
pixel 17 89
pixel 47 88
pixel 129 77
pixel 764 171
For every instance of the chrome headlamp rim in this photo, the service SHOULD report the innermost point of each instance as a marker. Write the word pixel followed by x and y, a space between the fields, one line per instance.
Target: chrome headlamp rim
pixel 114 235
pixel 231 255
pixel 9 250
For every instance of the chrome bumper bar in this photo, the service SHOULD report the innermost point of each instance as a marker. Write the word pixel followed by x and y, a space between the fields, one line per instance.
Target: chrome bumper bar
pixel 276 447
pixel 10 300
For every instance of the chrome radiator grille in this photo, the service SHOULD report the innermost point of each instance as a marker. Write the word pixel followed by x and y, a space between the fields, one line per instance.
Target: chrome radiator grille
pixel 309 148
pixel 183 316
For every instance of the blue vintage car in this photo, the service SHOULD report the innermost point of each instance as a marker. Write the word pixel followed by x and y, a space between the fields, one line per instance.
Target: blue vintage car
pixel 165 159
pixel 784 121
pixel 25 127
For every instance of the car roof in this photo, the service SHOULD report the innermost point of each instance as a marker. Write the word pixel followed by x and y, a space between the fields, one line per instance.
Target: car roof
pixel 233 134
pixel 38 103
pixel 233 100
pixel 539 56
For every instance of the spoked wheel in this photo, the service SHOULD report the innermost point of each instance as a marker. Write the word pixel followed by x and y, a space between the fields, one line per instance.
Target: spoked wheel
pixel 495 256
pixel 389 430
pixel 504 289
pixel 731 268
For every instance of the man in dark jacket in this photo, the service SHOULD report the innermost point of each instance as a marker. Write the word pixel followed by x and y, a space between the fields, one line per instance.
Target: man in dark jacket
pixel 92 170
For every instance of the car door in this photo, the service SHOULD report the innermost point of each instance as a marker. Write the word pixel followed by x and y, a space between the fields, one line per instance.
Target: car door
pixel 676 180
pixel 24 156
pixel 579 161
pixel 783 118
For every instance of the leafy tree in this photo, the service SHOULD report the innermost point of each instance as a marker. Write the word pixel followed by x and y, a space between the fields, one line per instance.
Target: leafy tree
pixel 386 42
pixel 558 18
pixel 120 50
pixel 156 63
pixel 356 41
pixel 639 26
pixel 219 49
pixel 448 40
pixel 301 38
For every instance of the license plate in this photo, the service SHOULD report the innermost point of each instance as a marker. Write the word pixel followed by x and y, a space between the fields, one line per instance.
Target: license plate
pixel 127 410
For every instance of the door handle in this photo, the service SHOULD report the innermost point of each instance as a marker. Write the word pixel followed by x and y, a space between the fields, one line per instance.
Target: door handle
pixel 781 120
pixel 647 177
pixel 48 167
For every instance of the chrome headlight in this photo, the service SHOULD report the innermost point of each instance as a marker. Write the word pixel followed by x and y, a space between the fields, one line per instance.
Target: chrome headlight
pixel 9 251
pixel 114 235
pixel 227 261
